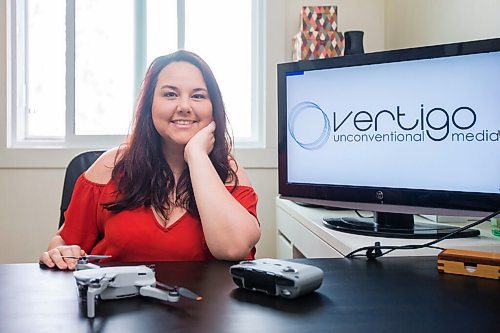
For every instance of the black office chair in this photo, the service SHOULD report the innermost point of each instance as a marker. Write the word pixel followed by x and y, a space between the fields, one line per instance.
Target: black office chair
pixel 79 164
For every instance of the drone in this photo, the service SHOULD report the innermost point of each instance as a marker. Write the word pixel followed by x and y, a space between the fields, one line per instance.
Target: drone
pixel 95 282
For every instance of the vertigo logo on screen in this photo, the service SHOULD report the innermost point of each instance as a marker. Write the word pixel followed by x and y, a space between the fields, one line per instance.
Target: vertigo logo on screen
pixel 324 128
pixel 456 124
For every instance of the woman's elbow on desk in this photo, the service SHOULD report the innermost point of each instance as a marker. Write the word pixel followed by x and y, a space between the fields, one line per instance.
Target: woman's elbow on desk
pixel 235 248
pixel 231 254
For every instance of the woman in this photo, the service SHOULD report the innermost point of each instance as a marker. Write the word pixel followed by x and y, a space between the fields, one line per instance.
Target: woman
pixel 173 191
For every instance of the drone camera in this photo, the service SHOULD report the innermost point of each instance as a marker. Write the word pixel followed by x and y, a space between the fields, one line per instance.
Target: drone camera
pixel 82 291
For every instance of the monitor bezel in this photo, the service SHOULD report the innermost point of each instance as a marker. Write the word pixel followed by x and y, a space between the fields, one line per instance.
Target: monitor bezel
pixel 412 201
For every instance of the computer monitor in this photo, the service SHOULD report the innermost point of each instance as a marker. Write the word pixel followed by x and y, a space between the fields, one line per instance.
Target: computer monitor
pixel 401 132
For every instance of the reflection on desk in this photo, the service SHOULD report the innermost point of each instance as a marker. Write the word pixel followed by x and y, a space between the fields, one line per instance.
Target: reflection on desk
pixel 387 295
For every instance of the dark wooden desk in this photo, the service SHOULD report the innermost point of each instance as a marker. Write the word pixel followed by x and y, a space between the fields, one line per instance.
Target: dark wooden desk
pixel 388 295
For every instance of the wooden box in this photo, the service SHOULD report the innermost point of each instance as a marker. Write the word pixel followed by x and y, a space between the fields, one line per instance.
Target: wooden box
pixel 471 263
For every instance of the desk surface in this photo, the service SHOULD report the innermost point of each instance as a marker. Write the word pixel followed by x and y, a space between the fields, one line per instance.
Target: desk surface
pixel 388 295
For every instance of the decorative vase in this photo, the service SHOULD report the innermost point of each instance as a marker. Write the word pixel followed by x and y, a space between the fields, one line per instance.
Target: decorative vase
pixel 354 42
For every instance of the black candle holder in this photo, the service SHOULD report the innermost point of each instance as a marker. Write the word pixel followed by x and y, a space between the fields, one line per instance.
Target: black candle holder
pixel 354 42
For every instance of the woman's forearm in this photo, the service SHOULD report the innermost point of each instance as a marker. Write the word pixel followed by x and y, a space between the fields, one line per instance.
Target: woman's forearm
pixel 230 230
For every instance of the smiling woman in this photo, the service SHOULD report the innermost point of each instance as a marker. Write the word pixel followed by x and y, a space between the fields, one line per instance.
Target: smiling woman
pixel 181 106
pixel 159 196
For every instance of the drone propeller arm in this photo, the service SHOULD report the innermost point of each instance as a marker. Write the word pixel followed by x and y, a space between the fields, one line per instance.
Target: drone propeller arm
pixel 88 265
pixel 180 290
pixel 83 261
pixel 92 292
pixel 163 295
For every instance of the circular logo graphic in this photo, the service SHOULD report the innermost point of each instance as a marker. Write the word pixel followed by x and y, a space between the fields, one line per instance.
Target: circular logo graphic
pixel 309 107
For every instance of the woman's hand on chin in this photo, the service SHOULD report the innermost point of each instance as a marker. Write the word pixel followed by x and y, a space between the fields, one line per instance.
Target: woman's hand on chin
pixel 201 143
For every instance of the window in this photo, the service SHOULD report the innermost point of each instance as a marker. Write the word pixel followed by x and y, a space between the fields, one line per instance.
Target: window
pixel 78 64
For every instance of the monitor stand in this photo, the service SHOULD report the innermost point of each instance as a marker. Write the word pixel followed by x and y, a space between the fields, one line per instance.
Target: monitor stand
pixel 394 225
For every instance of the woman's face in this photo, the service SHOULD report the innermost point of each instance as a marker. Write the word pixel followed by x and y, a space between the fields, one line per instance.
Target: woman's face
pixel 181 104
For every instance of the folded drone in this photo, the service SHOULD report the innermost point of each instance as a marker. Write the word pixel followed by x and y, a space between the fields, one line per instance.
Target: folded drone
pixel 95 282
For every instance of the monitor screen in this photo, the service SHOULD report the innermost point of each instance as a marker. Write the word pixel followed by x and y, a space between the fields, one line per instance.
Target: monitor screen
pixel 401 132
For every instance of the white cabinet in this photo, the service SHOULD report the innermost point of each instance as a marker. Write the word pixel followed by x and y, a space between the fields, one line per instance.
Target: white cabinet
pixel 301 233
pixel 301 241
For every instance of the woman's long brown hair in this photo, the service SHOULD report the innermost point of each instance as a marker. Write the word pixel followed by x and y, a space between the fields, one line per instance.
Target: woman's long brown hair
pixel 141 173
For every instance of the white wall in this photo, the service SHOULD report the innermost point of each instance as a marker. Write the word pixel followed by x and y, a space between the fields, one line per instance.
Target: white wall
pixel 413 23
pixel 31 181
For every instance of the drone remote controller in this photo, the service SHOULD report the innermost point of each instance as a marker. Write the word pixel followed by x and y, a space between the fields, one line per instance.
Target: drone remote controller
pixel 277 277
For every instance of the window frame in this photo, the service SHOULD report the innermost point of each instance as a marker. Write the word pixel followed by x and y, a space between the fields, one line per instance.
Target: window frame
pixel 17 137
